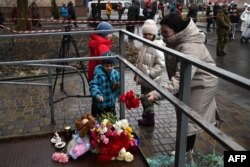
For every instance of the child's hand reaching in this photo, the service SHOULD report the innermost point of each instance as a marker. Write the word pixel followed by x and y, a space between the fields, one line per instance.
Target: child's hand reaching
pixel 151 96
pixel 100 99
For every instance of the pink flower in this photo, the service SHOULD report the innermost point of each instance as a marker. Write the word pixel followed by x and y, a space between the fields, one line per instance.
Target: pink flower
pixel 60 157
pixel 105 140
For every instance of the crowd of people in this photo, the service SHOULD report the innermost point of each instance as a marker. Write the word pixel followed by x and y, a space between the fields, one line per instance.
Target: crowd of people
pixel 68 13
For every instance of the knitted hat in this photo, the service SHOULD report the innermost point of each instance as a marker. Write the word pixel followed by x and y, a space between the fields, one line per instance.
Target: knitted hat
pixel 104 26
pixel 148 3
pixel 110 60
pixel 149 27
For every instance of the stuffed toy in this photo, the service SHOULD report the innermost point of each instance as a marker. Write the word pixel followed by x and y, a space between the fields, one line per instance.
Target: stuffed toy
pixel 84 124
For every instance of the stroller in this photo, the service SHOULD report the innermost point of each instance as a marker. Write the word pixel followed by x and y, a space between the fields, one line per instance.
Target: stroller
pixel 246 36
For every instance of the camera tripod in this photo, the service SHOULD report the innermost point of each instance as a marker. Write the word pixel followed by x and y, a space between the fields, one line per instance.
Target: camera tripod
pixel 64 53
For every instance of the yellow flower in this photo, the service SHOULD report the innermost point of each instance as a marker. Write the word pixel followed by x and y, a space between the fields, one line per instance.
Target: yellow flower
pixel 129 129
pixel 130 135
pixel 105 122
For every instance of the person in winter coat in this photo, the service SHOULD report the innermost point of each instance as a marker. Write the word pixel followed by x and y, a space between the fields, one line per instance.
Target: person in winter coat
pixel 223 27
pixel 166 9
pixel 14 14
pixel 133 15
pixel 184 36
pixel 108 9
pixel 148 11
pixel 179 8
pixel 209 15
pixel 72 13
pixel 120 10
pixel 216 9
pixel 192 12
pixel 1 18
pixel 98 44
pixel 35 14
pixel 104 88
pixel 64 13
pixel 152 63
pixel 234 18
pixel 245 17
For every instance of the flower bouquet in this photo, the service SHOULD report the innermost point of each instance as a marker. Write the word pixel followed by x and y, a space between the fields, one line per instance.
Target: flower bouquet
pixel 131 100
pixel 113 139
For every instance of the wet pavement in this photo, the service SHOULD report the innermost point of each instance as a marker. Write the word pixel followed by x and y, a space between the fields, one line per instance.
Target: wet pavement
pixel 24 110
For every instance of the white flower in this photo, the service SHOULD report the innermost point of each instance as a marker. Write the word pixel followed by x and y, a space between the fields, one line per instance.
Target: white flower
pixel 104 130
pixel 129 157
pixel 119 131
pixel 116 126
pixel 122 123
pixel 122 152
pixel 121 155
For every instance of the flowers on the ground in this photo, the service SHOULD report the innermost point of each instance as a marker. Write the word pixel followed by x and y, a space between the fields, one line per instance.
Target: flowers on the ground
pixel 125 156
pixel 60 157
pixel 113 140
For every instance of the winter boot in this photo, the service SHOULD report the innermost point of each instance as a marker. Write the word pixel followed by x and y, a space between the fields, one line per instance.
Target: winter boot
pixel 148 120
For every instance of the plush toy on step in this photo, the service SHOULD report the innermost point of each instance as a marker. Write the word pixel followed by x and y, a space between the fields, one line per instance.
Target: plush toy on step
pixel 84 124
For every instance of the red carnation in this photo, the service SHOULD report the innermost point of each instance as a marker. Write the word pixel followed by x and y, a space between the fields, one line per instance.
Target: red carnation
pixel 130 100
pixel 123 98
pixel 130 94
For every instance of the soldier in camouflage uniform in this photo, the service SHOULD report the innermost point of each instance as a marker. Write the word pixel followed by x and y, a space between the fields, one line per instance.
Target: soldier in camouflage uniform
pixel 223 26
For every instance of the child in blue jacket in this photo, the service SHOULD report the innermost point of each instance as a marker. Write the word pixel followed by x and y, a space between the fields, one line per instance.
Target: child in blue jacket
pixel 105 87
pixel 64 13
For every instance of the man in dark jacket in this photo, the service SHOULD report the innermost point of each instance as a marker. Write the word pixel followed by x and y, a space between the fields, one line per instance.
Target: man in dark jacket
pixel 209 15
pixel 1 18
pixel 72 13
pixel 133 15
pixel 223 26
pixel 192 12
pixel 216 9
pixel 234 18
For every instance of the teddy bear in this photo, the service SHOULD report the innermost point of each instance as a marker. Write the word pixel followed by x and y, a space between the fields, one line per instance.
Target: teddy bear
pixel 84 124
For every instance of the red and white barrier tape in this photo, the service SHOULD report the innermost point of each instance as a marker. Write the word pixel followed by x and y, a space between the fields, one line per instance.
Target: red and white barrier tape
pixel 78 21
pixel 55 30
pixel 8 28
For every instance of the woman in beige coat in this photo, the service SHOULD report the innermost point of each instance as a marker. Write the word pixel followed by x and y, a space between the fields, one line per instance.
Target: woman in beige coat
pixel 184 36
pixel 152 63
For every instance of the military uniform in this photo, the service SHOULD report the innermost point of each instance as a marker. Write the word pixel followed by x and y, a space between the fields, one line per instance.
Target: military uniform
pixel 223 26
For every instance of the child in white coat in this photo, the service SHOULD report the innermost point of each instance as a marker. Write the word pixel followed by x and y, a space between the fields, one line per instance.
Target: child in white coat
pixel 152 63
pixel 245 17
